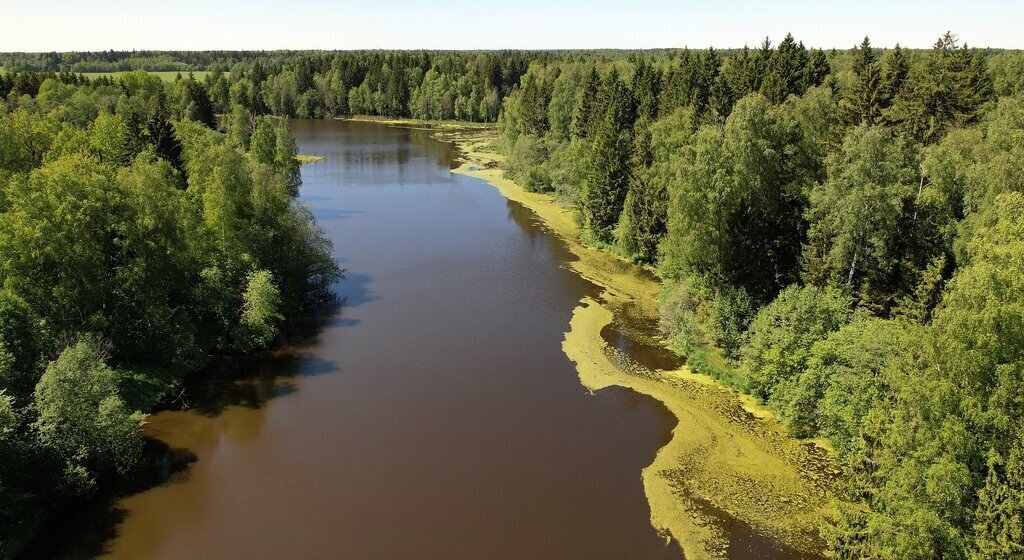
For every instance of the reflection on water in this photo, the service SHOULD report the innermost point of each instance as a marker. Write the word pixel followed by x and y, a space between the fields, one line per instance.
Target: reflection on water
pixel 433 416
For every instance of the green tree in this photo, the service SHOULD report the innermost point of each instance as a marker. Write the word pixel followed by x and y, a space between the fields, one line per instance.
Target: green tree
pixel 858 216
pixel 21 347
pixel 260 311
pixel 783 332
pixel 263 145
pixel 864 101
pixel 644 211
pixel 285 159
pixel 604 191
pixel 81 414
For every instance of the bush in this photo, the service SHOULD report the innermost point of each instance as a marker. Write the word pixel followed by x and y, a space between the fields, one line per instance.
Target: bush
pixel 781 336
pixel 729 315
pixel 81 415
pixel 682 306
pixel 526 164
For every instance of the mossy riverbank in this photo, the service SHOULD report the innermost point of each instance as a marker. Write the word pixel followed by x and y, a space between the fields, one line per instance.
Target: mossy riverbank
pixel 730 470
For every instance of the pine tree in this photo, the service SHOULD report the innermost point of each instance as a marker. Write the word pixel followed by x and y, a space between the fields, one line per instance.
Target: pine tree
pixel 895 69
pixel 161 135
pixel 817 69
pixel 706 73
pixel 646 84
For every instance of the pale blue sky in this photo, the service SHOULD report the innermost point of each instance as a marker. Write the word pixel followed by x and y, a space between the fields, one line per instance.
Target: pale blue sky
pixel 62 25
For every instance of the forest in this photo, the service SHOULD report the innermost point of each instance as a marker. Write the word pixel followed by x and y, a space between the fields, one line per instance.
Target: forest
pixel 838 233
pixel 135 246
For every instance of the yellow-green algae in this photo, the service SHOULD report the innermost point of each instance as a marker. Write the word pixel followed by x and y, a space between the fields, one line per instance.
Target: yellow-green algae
pixel 304 159
pixel 728 458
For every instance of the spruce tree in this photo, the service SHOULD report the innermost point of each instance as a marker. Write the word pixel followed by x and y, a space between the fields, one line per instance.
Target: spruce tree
pixel 644 214
pixel 895 69
pixel 583 112
pixel 817 69
pixel 865 98
pixel 604 190
pixel 646 84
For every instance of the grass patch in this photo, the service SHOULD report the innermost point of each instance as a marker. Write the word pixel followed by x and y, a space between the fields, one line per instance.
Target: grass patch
pixel 165 76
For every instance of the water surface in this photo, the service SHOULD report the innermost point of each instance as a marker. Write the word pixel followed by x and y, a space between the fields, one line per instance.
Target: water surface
pixel 434 416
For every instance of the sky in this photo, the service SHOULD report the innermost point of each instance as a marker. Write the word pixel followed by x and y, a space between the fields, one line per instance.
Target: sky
pixel 67 25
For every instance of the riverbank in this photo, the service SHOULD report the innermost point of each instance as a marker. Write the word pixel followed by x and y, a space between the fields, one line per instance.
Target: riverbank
pixel 730 463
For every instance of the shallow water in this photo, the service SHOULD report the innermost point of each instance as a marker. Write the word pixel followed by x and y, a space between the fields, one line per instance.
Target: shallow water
pixel 433 416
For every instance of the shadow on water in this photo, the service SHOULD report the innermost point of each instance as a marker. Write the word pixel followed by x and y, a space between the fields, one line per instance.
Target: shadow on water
pixel 354 290
pixel 331 214
pixel 236 381
pixel 92 523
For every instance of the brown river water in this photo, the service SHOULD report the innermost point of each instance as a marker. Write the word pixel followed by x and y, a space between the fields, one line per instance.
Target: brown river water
pixel 433 415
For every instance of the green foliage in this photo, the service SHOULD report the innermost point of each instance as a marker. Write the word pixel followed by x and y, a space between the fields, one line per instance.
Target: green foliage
pixel 999 522
pixel 781 335
pixel 642 223
pixel 604 191
pixel 168 242
pixel 21 347
pixel 886 181
pixel 729 315
pixel 864 103
pixel 81 415
pixel 948 88
pixel 527 162
pixel 682 312
pixel 735 207
pixel 261 304
pixel 859 217
pixel 263 144
pixel 845 379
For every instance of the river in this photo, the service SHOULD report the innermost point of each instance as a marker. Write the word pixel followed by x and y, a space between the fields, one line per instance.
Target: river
pixel 433 416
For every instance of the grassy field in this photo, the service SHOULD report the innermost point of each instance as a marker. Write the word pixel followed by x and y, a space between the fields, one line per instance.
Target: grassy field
pixel 165 76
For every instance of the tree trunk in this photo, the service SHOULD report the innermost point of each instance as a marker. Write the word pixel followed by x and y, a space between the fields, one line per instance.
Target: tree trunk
pixel 853 268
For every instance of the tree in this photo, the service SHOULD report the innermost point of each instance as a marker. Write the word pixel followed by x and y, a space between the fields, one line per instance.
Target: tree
pixel 894 73
pixel 844 381
pixel 783 332
pixel 81 414
pixel 238 126
pixel 69 205
pixel 643 218
pixel 857 218
pixel 21 347
pixel 646 85
pixel 586 102
pixel 260 311
pixel 263 145
pixel 286 160
pixel 999 517
pixel 864 100
pixel 604 191
pixel 946 89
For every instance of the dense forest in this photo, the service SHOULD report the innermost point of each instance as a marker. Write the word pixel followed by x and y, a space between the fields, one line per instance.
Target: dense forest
pixel 134 245
pixel 839 234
